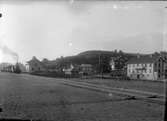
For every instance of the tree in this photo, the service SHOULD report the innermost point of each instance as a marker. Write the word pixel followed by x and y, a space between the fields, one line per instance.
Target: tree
pixel 120 52
pixel 115 51
pixel 17 69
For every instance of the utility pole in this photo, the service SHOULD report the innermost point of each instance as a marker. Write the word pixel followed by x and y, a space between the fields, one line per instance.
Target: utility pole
pixel 165 111
pixel 100 65
pixel 0 104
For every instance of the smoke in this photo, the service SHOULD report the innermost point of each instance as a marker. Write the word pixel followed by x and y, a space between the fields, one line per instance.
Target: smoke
pixel 7 51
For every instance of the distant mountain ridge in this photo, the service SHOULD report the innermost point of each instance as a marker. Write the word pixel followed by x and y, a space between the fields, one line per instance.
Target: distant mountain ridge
pixel 98 58
pixel 97 52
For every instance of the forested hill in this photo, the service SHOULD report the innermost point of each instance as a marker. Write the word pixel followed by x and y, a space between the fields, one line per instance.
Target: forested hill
pixel 99 59
pixel 107 53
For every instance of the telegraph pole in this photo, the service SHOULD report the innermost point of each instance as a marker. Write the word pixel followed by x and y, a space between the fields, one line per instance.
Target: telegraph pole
pixel 100 65
pixel 165 111
pixel 0 104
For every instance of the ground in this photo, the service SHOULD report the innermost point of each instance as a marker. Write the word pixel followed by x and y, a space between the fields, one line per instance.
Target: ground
pixel 34 97
pixel 141 85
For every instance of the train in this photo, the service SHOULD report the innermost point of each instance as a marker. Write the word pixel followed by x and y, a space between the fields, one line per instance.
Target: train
pixel 12 68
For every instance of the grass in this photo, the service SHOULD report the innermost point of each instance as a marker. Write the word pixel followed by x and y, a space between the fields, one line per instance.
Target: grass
pixel 150 86
pixel 34 97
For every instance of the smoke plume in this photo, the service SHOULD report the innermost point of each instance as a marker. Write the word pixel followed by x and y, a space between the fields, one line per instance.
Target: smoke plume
pixel 7 51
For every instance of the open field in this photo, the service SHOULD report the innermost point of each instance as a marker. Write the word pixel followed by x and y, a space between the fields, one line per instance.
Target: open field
pixel 34 97
pixel 150 86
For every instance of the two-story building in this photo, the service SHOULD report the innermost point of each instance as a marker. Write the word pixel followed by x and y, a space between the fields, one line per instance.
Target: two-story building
pixel 34 65
pixel 112 63
pixel 86 69
pixel 146 67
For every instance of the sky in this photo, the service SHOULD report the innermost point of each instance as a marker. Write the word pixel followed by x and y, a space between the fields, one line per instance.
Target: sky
pixel 53 29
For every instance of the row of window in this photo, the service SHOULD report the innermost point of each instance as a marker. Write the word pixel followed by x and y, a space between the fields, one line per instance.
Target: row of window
pixel 140 71
pixel 35 69
pixel 143 65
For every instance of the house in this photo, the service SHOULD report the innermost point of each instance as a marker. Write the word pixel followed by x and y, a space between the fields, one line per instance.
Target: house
pixel 86 69
pixel 71 70
pixel 9 68
pixel 147 67
pixel 68 70
pixel 50 65
pixel 112 64
pixel 34 65
pixel 4 66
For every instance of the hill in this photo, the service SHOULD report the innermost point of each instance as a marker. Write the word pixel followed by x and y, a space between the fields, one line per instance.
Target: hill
pixel 99 59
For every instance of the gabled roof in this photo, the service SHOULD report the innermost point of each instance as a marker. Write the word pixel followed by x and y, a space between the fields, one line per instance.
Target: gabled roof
pixel 34 59
pixel 143 59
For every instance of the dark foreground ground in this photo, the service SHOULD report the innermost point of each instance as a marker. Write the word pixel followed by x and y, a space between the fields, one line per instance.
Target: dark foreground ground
pixel 141 85
pixel 33 97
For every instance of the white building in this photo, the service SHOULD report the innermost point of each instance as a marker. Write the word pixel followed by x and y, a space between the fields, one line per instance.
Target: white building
pixel 112 64
pixel 148 67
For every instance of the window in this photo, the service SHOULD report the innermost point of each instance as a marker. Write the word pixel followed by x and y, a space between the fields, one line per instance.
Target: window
pixel 150 70
pixel 150 64
pixel 155 64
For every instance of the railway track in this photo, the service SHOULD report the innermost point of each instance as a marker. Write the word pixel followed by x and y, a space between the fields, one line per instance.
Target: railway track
pixel 133 94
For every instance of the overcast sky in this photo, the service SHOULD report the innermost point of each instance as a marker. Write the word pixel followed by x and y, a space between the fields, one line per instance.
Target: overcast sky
pixel 54 29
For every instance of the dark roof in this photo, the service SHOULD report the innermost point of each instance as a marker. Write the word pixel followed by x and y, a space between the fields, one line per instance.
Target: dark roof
pixel 143 59
pixel 86 65
pixel 34 59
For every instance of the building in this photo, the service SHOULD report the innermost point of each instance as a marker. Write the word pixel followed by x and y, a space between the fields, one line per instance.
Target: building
pixel 112 64
pixel 147 67
pixel 50 65
pixel 71 70
pixel 4 66
pixel 34 65
pixel 86 69
pixel 9 68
